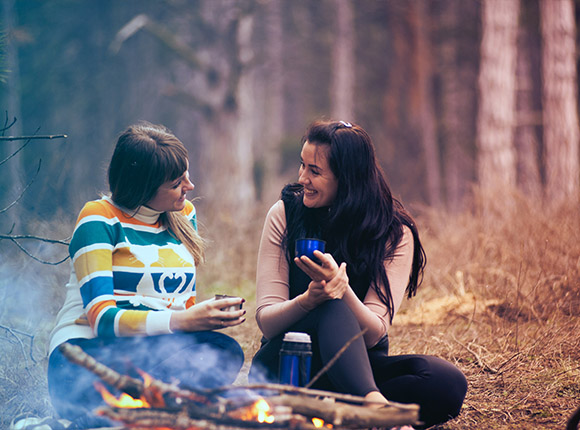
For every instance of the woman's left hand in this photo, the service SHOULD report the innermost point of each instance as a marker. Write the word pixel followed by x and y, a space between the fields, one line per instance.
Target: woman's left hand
pixel 325 271
pixel 320 291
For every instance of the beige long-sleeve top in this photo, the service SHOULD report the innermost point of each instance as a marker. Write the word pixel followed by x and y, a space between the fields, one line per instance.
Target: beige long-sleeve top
pixel 275 312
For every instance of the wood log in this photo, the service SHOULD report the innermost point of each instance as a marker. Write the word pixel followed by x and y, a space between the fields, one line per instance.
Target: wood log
pixel 155 392
pixel 155 418
pixel 349 416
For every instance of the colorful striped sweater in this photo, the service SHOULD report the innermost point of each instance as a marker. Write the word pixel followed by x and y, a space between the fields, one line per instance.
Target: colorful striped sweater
pixel 128 274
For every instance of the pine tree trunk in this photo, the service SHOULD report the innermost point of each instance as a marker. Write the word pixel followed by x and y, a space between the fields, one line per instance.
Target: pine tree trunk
pixel 343 70
pixel 560 112
pixel 496 116
pixel 458 75
pixel 426 110
pixel 526 136
pixel 270 158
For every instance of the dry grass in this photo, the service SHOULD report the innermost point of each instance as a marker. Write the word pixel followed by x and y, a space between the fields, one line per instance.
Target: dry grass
pixel 501 300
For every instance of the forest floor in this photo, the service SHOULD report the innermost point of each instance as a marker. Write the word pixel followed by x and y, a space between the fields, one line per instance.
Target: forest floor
pixel 500 299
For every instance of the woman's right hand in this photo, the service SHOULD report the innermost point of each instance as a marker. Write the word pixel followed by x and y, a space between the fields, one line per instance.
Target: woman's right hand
pixel 320 291
pixel 208 315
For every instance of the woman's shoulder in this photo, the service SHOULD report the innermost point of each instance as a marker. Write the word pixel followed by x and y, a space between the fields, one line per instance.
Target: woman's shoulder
pixel 100 207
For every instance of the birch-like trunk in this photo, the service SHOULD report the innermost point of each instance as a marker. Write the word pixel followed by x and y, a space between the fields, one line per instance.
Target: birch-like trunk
pixel 496 116
pixel 559 100
pixel 343 63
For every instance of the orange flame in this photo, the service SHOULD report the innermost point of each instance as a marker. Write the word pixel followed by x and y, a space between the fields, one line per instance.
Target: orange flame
pixel 259 411
pixel 123 401
pixel 319 423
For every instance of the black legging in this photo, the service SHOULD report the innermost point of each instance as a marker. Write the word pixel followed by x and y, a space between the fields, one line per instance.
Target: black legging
pixel 437 386
pixel 203 359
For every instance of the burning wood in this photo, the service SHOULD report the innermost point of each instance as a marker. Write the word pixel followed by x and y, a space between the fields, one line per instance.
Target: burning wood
pixel 158 405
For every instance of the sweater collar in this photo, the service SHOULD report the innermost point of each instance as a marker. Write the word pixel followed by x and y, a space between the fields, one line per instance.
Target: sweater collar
pixel 143 214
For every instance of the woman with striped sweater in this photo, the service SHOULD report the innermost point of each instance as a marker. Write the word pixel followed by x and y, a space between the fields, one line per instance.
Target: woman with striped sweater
pixel 131 297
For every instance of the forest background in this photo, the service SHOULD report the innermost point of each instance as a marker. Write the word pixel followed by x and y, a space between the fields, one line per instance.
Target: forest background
pixel 473 108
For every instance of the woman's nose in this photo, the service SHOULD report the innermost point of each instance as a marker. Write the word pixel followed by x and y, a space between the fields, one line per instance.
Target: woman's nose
pixel 189 185
pixel 302 177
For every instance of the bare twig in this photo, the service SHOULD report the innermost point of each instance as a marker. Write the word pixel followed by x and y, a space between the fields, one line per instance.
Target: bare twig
pixel 336 357
pixel 19 149
pixel 6 125
pixel 46 136
pixel 480 361
pixel 15 332
pixel 165 36
pixel 29 236
pixel 51 263
pixel 24 190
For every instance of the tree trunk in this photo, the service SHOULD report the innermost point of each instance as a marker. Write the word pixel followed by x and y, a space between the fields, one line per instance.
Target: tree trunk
pixel 526 137
pixel 425 109
pixel 495 122
pixel 12 169
pixel 560 114
pixel 343 63
pixel 269 144
pixel 458 76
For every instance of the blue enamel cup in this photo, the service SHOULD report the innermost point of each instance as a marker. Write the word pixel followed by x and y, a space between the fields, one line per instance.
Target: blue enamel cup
pixel 307 247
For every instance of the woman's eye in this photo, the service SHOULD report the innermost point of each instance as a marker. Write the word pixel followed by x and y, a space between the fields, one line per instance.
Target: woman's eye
pixel 176 185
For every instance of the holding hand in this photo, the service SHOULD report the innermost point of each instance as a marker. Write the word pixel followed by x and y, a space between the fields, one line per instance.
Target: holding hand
pixel 325 271
pixel 208 315
pixel 320 291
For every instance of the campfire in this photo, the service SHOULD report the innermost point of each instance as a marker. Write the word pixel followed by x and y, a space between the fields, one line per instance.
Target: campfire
pixel 148 403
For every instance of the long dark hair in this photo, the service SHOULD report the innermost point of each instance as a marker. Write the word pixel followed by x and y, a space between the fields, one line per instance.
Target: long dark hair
pixel 364 224
pixel 146 156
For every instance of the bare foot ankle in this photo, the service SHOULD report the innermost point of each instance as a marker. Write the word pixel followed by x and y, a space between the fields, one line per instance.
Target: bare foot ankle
pixel 375 399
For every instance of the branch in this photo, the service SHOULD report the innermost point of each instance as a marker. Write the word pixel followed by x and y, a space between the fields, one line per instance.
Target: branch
pixel 14 333
pixel 29 236
pixel 336 357
pixel 46 136
pixel 6 125
pixel 165 36
pixel 18 150
pixel 154 392
pixel 25 188
pixel 51 263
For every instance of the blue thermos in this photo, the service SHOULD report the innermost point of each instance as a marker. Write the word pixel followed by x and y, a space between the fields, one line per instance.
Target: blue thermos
pixel 295 359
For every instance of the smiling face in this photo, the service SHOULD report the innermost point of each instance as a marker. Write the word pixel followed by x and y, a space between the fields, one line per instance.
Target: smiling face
pixel 320 184
pixel 170 196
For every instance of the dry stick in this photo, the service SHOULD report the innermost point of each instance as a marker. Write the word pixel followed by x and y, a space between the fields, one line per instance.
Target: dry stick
pixel 151 418
pixel 132 386
pixel 336 357
pixel 52 263
pixel 18 150
pixel 24 190
pixel 480 361
pixel 48 136
pixel 28 236
pixel 350 416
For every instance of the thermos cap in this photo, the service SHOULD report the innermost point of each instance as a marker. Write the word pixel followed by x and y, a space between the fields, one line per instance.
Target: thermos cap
pixel 294 336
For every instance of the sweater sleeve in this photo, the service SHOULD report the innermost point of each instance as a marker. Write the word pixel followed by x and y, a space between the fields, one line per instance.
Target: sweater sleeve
pixel 96 236
pixel 373 314
pixel 275 312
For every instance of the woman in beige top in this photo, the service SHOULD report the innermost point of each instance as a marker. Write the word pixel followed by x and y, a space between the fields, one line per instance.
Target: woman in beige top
pixel 373 259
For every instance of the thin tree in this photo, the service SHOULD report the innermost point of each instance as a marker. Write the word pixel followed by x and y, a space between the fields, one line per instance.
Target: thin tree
pixel 424 102
pixel 457 67
pixel 559 100
pixel 343 62
pixel 496 115
pixel 526 136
